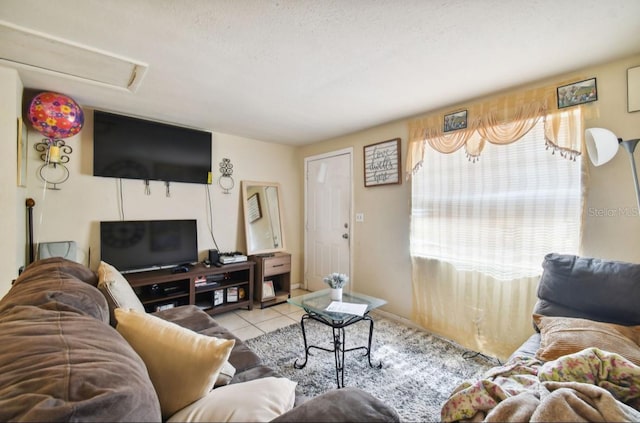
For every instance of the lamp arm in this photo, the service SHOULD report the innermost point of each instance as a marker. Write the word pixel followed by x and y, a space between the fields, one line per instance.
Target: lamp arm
pixel 630 146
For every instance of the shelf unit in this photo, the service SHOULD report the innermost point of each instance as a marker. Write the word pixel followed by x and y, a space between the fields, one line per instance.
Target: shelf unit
pixel 158 289
pixel 275 267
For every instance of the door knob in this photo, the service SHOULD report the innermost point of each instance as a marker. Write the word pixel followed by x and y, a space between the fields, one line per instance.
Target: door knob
pixel 345 236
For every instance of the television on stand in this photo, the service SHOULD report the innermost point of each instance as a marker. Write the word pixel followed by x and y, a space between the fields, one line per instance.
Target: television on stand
pixel 142 245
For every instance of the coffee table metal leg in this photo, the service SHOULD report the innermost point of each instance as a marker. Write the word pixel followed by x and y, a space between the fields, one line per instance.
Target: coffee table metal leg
pixel 379 366
pixel 306 348
pixel 338 350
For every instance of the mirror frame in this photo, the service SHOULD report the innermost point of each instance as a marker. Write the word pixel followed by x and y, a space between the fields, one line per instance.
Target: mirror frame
pixel 633 86
pixel 261 211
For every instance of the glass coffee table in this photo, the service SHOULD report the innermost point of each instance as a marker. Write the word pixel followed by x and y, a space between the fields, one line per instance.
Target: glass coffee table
pixel 315 304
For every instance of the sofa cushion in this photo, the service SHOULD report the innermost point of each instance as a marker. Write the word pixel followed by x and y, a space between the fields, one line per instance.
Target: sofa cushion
pixel 60 360
pixel 117 290
pixel 259 400
pixel 590 288
pixel 57 284
pixel 62 265
pixel 342 405
pixel 565 335
pixel 226 374
pixel 183 365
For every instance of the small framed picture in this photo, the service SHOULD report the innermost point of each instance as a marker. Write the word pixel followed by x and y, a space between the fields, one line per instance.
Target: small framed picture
pixel 455 121
pixel 218 297
pixel 254 211
pixel 232 294
pixel 577 93
pixel 267 290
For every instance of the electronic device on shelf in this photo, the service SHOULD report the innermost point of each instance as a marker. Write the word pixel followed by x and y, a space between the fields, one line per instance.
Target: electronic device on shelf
pixel 183 268
pixel 208 281
pixel 234 257
pixel 208 263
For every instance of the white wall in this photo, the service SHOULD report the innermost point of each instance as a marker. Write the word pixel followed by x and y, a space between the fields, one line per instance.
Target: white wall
pixel 12 198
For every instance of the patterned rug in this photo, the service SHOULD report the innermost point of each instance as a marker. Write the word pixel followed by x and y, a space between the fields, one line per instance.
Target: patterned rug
pixel 419 370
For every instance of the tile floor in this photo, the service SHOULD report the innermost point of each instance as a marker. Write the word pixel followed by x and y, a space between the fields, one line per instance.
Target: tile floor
pixel 247 324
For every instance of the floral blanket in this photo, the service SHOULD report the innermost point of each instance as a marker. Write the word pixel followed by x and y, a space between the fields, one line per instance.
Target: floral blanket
pixel 590 385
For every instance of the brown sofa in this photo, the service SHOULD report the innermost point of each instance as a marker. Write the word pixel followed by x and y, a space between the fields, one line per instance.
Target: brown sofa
pixel 62 361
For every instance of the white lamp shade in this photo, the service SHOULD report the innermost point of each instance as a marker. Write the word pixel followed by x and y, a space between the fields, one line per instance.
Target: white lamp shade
pixel 602 145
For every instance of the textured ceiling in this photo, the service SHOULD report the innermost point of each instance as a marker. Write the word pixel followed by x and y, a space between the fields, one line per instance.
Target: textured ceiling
pixel 300 71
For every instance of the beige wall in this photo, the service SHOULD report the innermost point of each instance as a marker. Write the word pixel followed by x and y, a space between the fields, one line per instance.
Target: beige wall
pixel 381 243
pixel 612 230
pixel 74 211
pixel 381 264
pixel 12 221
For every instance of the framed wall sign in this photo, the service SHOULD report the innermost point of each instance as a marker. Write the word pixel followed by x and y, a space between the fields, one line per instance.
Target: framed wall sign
pixel 382 163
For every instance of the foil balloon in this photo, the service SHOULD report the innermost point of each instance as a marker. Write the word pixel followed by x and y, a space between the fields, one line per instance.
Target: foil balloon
pixel 55 115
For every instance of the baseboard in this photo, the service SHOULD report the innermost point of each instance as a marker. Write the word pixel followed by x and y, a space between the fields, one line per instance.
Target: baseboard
pixel 295 286
pixel 399 319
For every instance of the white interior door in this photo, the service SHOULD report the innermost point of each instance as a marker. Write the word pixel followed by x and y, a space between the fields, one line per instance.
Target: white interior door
pixel 328 211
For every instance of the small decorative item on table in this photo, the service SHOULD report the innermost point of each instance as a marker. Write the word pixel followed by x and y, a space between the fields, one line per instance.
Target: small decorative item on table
pixel 232 294
pixel 166 306
pixel 268 291
pixel 336 282
pixel 218 297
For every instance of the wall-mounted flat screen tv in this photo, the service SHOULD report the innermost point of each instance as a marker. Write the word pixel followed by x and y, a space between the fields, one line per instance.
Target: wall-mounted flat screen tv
pixel 139 245
pixel 133 148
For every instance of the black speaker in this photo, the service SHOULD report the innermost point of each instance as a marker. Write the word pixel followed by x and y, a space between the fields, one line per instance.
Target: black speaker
pixel 214 257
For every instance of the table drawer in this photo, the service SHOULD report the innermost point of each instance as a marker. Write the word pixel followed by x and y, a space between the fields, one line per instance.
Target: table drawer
pixel 277 265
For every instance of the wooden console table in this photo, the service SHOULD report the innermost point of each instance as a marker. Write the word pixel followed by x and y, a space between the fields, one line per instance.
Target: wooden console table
pixel 224 288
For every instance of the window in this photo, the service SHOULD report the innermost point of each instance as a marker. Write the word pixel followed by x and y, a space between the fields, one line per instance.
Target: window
pixel 501 214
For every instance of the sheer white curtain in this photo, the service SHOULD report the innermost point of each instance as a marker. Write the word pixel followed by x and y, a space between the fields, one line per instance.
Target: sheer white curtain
pixel 479 232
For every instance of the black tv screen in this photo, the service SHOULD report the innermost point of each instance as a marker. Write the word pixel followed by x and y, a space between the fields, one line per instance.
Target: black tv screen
pixel 137 245
pixel 128 147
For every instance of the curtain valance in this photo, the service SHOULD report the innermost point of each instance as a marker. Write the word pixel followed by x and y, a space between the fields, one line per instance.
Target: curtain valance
pixel 500 120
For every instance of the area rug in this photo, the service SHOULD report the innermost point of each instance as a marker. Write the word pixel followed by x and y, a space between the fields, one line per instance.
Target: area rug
pixel 419 370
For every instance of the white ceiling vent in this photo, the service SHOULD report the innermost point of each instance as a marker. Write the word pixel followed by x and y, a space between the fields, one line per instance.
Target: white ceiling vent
pixel 24 48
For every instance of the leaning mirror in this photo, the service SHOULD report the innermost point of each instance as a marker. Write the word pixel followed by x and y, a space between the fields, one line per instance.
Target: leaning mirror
pixel 262 205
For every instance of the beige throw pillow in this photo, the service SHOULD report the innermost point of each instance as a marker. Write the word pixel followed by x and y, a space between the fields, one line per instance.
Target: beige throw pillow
pixel 258 400
pixel 565 335
pixel 116 289
pixel 183 365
